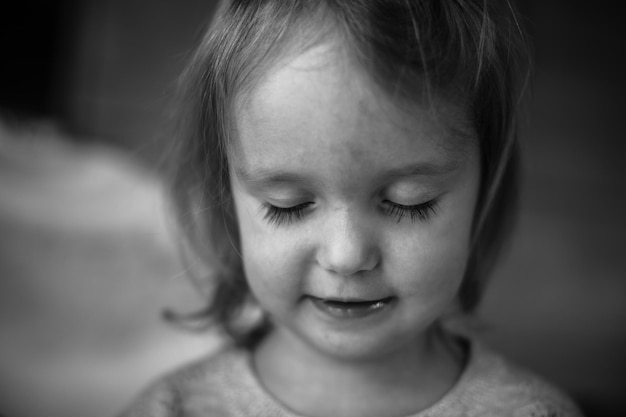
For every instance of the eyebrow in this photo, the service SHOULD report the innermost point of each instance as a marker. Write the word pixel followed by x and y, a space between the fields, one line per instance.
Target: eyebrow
pixel 423 169
pixel 264 178
pixel 267 177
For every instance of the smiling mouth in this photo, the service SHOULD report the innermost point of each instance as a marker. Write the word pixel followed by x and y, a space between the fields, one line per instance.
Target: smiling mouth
pixel 337 308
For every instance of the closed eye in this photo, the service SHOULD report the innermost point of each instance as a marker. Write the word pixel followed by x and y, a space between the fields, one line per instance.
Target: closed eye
pixel 285 215
pixel 415 212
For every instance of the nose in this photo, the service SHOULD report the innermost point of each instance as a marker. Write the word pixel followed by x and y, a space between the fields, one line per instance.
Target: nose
pixel 348 244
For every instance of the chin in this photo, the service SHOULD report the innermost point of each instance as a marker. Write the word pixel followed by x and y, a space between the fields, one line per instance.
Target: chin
pixel 358 347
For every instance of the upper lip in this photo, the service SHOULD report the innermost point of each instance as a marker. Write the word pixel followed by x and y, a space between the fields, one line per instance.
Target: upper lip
pixel 351 299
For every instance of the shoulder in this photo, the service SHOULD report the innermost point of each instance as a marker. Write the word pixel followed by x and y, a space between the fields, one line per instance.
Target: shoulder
pixel 195 389
pixel 497 387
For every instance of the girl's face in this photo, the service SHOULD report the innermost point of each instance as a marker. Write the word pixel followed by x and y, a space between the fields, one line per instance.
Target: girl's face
pixel 354 211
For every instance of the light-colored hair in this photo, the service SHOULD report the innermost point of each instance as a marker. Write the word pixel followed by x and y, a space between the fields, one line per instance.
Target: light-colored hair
pixel 472 48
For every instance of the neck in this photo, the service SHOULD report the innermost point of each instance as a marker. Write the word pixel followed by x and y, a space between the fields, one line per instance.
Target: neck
pixel 315 384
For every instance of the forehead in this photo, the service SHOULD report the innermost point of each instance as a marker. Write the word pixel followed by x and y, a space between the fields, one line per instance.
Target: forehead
pixel 323 101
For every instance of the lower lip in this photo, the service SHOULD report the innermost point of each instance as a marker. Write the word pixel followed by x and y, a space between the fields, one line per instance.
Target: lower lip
pixel 340 310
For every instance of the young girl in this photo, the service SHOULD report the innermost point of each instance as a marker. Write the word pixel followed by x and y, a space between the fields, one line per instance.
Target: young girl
pixel 348 168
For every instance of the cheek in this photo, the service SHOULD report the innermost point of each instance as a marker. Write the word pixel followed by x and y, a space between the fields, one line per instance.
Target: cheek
pixel 435 258
pixel 433 269
pixel 433 278
pixel 271 260
pixel 452 238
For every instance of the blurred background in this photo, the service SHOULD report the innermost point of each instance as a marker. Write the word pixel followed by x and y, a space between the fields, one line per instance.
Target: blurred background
pixel 88 257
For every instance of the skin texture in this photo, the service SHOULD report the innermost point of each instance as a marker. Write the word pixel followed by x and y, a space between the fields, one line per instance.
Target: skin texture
pixel 317 134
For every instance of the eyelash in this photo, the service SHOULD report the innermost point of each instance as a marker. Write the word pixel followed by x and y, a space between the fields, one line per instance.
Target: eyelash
pixel 280 215
pixel 420 212
pixel 288 215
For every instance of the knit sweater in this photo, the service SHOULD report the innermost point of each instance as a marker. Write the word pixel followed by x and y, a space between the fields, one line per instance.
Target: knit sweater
pixel 225 385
